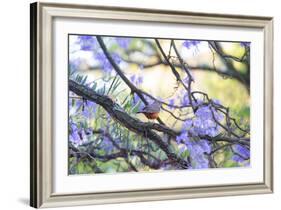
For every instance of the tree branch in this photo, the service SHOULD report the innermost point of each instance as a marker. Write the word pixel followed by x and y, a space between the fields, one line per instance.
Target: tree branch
pixel 133 124
pixel 226 59
pixel 133 88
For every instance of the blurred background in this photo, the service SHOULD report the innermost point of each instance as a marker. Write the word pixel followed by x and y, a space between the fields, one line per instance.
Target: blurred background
pixel 223 74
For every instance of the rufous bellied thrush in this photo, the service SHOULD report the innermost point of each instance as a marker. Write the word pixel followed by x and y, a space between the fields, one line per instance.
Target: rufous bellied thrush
pixel 151 111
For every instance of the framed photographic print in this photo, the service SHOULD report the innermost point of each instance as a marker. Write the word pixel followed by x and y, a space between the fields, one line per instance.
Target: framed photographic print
pixel 135 104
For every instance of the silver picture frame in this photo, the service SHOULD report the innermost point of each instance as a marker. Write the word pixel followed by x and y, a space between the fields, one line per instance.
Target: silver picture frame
pixel 42 16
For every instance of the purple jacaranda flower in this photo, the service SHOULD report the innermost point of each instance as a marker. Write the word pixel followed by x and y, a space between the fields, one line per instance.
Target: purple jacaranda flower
pixel 198 102
pixel 123 42
pixel 139 80
pixel 72 126
pixel 87 43
pixel 241 155
pixel 185 99
pixel 187 124
pixel 204 113
pixel 204 144
pixel 214 131
pixel 77 136
pixel 237 158
pixel 116 58
pixel 216 102
pixel 187 79
pixel 136 98
pixel 70 102
pixel 74 137
pixel 86 113
pixel 243 151
pixel 171 102
pixel 197 148
pixel 183 137
pixel 203 123
pixel 74 64
pixel 79 104
pixel 107 145
pixel 136 80
pixel 219 116
pixel 104 62
pixel 91 104
pixel 245 44
pixel 190 43
pixel 85 107
pixel 197 151
pixel 132 78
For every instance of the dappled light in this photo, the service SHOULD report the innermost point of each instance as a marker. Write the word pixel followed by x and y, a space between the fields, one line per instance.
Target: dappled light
pixel 138 104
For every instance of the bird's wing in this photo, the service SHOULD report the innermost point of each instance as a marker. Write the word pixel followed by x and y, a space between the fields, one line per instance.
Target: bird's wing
pixel 152 108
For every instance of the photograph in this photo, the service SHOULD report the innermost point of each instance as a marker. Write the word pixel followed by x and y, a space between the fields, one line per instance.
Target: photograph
pixel 140 104
pixel 147 104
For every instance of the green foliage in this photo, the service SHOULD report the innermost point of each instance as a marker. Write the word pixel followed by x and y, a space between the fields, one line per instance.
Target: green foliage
pixel 229 91
pixel 230 163
pixel 101 120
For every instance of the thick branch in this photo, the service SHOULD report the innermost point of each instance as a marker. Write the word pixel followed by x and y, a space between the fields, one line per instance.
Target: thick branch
pixel 133 124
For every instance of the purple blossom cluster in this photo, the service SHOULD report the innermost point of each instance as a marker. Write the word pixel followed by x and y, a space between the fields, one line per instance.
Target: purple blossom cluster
pixel 107 145
pixel 87 108
pixel 74 64
pixel 77 134
pixel 87 43
pixel 104 63
pixel 202 124
pixel 198 150
pixel 123 42
pixel 245 44
pixel 240 153
pixel 90 43
pixel 190 43
pixel 185 100
pixel 194 131
pixel 204 121
pixel 171 102
pixel 137 80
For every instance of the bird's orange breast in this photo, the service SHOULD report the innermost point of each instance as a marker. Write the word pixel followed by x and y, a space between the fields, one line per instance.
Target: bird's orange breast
pixel 152 116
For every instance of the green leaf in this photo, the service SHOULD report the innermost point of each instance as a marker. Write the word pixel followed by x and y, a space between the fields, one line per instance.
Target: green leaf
pixel 230 163
pixel 136 108
pixel 72 102
pixel 185 154
pixel 112 84
pixel 94 86
pixel 116 85
pixel 84 80
pixel 80 167
pixel 87 168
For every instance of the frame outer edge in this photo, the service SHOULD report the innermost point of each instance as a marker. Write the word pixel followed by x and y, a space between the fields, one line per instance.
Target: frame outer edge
pixel 269 106
pixel 40 129
pixel 33 105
